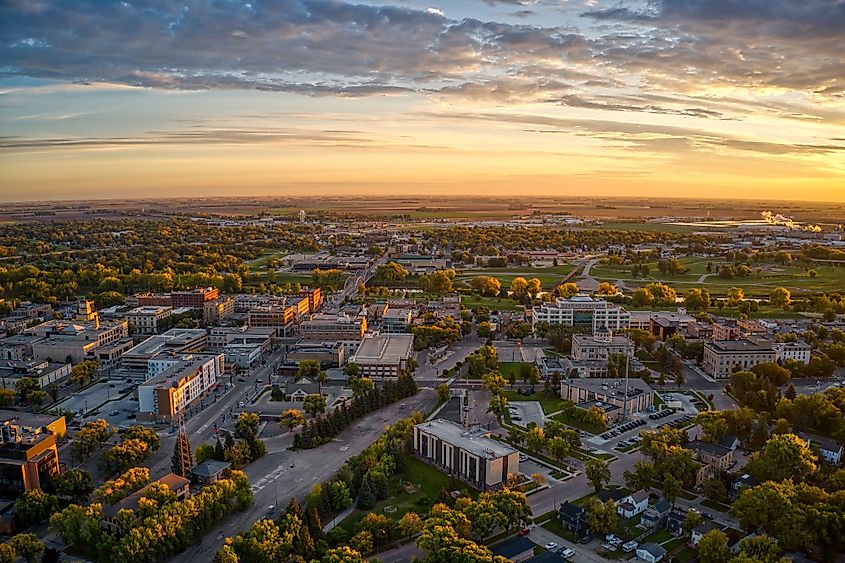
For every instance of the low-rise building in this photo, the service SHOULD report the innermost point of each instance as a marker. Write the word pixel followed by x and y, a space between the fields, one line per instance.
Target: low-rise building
pixel 188 379
pixel 713 459
pixel 633 504
pixel 396 320
pixel 470 456
pixel 329 328
pixel 640 395
pixel 194 298
pixel 383 355
pixel 329 354
pixel 147 319
pixel 573 518
pixel 110 521
pixel 651 552
pixel 29 458
pixel 298 390
pixel 174 341
pixel 600 345
pixel 699 531
pixel 77 338
pixel 726 330
pixel 209 471
pixel 42 371
pixel 516 549
pixel 217 310
pixel 796 351
pixel 830 450
pixel 721 358
pixel 111 355
pixel 655 514
pixel 582 311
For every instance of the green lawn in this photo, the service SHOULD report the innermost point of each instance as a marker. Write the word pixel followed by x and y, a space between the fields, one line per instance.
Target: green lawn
pixel 763 278
pixel 674 544
pixel 550 277
pixel 549 404
pixel 686 554
pixel 492 303
pixel 555 527
pixel 506 368
pixel 567 418
pixel 429 481
pixel 658 536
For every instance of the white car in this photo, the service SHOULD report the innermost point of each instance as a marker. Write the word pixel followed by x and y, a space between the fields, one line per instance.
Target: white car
pixel 567 552
pixel 551 545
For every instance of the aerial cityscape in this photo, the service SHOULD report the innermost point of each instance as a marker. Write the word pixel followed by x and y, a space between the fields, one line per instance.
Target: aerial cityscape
pixel 481 281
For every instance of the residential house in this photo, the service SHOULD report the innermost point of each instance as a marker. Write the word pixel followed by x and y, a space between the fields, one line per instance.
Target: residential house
pixel 651 552
pixel 517 548
pixel 633 504
pixel 298 390
pixel 740 483
pixel 713 459
pixel 573 518
pixel 829 450
pixel 209 472
pixel 699 531
pixel 675 522
pixel 616 495
pixel 731 442
pixel 655 514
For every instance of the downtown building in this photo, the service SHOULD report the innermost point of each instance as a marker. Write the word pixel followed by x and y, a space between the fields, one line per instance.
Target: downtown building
pixel 470 456
pixel 183 383
pixel 582 311
pixel 723 357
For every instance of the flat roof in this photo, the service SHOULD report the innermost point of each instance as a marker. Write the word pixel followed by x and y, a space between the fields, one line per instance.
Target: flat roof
pixel 384 348
pixel 636 386
pixel 707 447
pixel 186 363
pixel 745 345
pixel 471 441
pixel 597 340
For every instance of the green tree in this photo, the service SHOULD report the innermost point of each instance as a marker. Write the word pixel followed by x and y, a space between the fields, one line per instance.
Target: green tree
pixel 361 385
pixel 713 547
pixel 28 546
pixel 536 439
pixel 314 404
pixel 671 488
pixel 601 516
pixel 74 484
pixel 780 297
pixel 291 418
pixel 34 507
pixel 443 393
pixel 352 370
pixel 597 473
pixel 410 524
pixel 786 456
pixel 486 285
pixel 715 490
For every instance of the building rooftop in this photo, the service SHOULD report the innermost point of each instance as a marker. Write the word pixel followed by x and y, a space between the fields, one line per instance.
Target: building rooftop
pixel 708 448
pixel 823 442
pixel 173 338
pixel 512 547
pixel 210 468
pixel 611 386
pixel 185 365
pixel 472 441
pixel 384 349
pixel 601 339
pixel 149 310
pixel 174 483
pixel 739 346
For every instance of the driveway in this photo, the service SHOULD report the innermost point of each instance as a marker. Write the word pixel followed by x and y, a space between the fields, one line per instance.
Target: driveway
pixel 529 411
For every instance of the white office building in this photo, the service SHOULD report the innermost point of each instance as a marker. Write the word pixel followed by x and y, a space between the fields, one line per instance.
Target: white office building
pixel 582 311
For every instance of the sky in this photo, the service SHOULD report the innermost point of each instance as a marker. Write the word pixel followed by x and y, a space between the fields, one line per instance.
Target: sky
pixel 674 98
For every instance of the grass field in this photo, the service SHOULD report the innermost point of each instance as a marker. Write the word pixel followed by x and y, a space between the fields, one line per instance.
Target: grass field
pixel 429 481
pixel 763 278
pixel 550 277
pixel 549 404
pixel 491 303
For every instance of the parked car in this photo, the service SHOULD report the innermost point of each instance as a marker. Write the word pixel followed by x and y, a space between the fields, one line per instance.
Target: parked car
pixel 114 413
pixel 524 532
pixel 566 552
pixel 551 546
pixel 523 457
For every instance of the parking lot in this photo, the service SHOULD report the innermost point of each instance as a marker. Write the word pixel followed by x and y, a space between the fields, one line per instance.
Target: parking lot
pixel 523 412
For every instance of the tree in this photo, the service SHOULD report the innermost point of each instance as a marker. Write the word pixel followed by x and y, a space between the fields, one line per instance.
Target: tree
pixel 536 439
pixel 291 418
pixel 203 453
pixel 342 554
pixel 410 524
pixel 671 488
pixel 7 553
pixel 780 297
pixel 498 406
pixel 607 288
pixel 713 547
pixel 351 369
pixel 514 507
pixel 314 404
pixel 697 299
pixel 438 282
pixel 362 541
pixel 715 490
pixel 74 484
pixel 597 473
pixel 486 286
pixel 28 546
pixel 494 382
pixel 309 369
pixel 361 385
pixel 692 520
pixel 126 454
pixel 601 516
pixel 785 456
pixel 443 393
pixel 642 477
pixel 558 448
pixel 34 507
pixel 83 373
pixel 761 548
pixel 7 397
pixel 147 435
pixel 567 290
pixel 642 297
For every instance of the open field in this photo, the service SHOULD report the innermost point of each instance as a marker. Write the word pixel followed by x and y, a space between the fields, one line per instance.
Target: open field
pixel 550 277
pixel 492 303
pixel 763 277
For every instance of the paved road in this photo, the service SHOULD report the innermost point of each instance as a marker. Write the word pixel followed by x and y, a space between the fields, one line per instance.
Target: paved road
pixel 282 474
